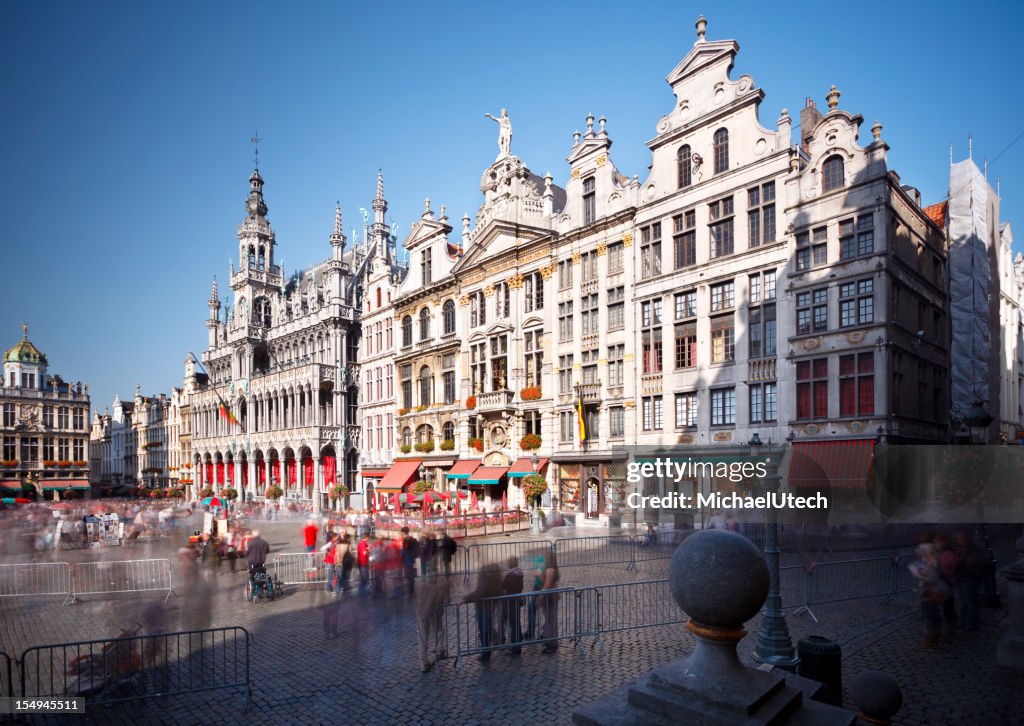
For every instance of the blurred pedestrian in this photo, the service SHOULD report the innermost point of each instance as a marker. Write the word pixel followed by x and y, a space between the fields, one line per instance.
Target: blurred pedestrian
pixel 309 535
pixel 932 592
pixel 488 585
pixel 329 551
pixel 971 565
pixel 363 560
pixel 549 603
pixel 513 585
pixel 448 548
pixel 946 558
pixel 410 553
pixel 345 560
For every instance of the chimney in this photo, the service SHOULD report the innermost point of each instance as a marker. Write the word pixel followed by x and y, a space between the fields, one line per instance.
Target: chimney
pixel 809 118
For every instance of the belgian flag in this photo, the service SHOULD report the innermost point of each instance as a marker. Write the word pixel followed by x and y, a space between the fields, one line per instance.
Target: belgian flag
pixel 579 420
pixel 225 412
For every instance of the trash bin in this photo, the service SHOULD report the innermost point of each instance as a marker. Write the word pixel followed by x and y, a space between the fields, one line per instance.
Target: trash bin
pixel 821 661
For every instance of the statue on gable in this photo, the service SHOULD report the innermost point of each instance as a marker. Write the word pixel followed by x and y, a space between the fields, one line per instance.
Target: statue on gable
pixel 504 133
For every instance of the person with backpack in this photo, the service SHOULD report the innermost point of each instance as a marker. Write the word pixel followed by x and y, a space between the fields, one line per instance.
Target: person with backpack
pixel 344 561
pixel 448 548
pixel 410 552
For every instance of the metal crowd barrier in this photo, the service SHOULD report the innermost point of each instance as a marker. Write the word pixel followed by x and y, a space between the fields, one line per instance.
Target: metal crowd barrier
pixel 6 682
pixel 94 578
pixel 477 555
pixel 139 667
pixel 825 582
pixel 631 605
pixel 586 551
pixel 300 568
pixel 27 580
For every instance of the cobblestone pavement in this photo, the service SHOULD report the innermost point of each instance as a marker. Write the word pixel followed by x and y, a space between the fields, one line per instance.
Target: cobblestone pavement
pixel 370 672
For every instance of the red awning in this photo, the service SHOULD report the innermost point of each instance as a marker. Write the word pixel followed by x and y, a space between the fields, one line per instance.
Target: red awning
pixel 66 483
pixel 831 464
pixel 463 468
pixel 10 484
pixel 524 466
pixel 487 475
pixel 400 474
pixel 374 473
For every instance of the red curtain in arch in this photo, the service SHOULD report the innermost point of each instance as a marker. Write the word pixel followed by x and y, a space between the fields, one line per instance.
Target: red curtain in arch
pixel 231 473
pixel 220 472
pixel 275 471
pixel 307 471
pixel 292 469
pixel 330 470
pixel 261 472
pixel 245 473
pixel 208 479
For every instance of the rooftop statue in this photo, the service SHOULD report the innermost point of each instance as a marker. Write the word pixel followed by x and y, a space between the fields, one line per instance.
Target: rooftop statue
pixel 504 133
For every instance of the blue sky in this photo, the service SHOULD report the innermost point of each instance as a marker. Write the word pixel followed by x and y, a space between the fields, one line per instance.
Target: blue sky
pixel 124 134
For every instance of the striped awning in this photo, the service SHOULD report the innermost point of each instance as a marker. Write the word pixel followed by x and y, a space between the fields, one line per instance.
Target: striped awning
pixel 524 466
pixel 65 483
pixel 825 465
pixel 487 475
pixel 400 474
pixel 463 468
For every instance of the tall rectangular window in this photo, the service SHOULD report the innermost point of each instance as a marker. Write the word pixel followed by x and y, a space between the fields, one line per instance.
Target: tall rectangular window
pixel 588 266
pixel 652 413
pixel 565 374
pixel 761 214
pixel 478 367
pixel 811 251
pixel 448 377
pixel 406 373
pixel 499 362
pixel 617 420
pixel 812 388
pixel 720 226
pixel 723 296
pixel 48 417
pixel 686 410
pixel 764 402
pixel 650 251
pixel 616 356
pixel 856 303
pixel 762 330
pixel 684 239
pixel 723 339
pixel 811 311
pixel 589 314
pixel 616 308
pixel 686 304
pixel 565 315
pixel 857 384
pixel 48 454
pixel 590 366
pixel 686 345
pixel 533 289
pixel 615 258
pixel 651 336
pixel 11 448
pixel 723 407
pixel 565 274
pixel 589 201
pixel 425 267
pixel 62 417
pixel 566 426
pixel 531 422
pixel 534 358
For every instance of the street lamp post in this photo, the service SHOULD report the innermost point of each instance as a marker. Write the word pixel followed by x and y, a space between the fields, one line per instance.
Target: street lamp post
pixel 534 517
pixel 774 645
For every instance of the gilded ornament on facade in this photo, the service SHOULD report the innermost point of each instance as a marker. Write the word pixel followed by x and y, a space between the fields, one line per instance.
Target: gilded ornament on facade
pixel 601 160
pixel 856 426
pixel 629 404
pixel 812 343
pixel 723 436
pixel 464 301
pixel 602 249
pixel 812 429
pixel 686 439
pixel 575 173
pixel 515 282
pixel 547 272
pixel 489 291
pixel 627 239
pixel 576 257
pixel 856 336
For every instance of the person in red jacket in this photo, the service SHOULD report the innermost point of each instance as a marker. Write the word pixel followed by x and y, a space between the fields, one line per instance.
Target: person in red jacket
pixel 309 533
pixel 363 560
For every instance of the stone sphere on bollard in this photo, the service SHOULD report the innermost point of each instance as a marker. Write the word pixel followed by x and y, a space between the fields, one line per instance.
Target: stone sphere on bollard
pixel 719 579
pixel 876 695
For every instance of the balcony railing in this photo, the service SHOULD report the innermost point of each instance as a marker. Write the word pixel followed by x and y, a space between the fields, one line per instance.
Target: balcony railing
pixel 762 369
pixel 589 392
pixel 493 400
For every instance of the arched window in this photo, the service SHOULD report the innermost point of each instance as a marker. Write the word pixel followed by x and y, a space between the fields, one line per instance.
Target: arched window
pixel 683 170
pixel 378 297
pixel 448 431
pixel 721 151
pixel 261 312
pixel 424 434
pixel 424 324
pixel 260 259
pixel 252 257
pixel 448 313
pixel 407 437
pixel 833 176
pixel 407 330
pixel 425 386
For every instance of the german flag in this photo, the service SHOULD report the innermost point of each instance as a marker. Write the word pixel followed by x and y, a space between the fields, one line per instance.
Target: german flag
pixel 579 420
pixel 225 412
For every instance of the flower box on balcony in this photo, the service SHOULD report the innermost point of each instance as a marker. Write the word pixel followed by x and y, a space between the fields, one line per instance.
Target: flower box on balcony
pixel 425 447
pixel 477 443
pixel 530 393
pixel 448 445
pixel 420 409
pixel 46 462
pixel 403 411
pixel 81 463
pixel 64 464
pixel 405 448
pixel 530 442
pixel 9 463
pixel 471 403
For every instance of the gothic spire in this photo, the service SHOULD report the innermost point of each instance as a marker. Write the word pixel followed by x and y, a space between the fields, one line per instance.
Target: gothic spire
pixel 255 205
pixel 338 235
pixel 380 206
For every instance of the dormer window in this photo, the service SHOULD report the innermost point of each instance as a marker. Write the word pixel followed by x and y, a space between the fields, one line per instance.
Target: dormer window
pixel 589 201
pixel 832 174
pixel 721 149
pixel 683 171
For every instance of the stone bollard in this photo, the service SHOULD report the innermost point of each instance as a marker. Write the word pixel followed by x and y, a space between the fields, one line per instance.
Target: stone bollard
pixel 720 581
pixel 877 697
pixel 1010 649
